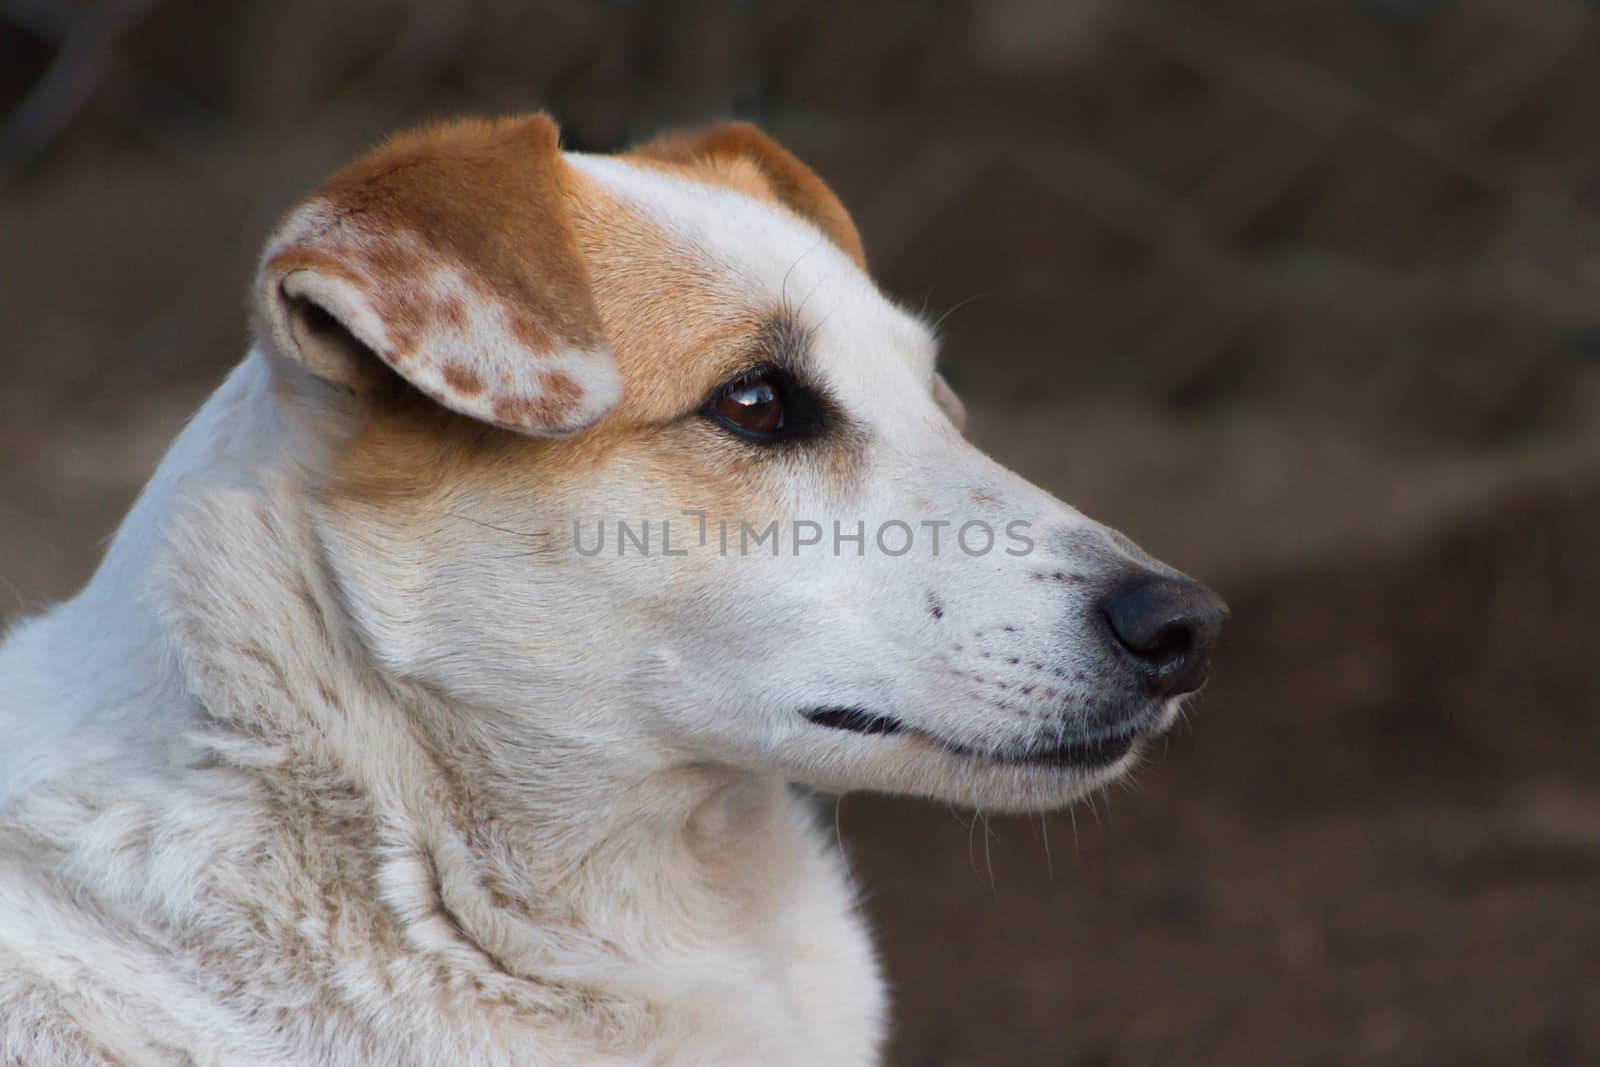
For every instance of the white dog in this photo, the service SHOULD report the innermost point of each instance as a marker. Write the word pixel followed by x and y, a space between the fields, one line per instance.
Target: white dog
pixel 439 700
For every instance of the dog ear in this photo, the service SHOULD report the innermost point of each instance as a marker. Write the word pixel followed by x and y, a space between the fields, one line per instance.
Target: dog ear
pixel 447 254
pixel 790 181
pixel 949 402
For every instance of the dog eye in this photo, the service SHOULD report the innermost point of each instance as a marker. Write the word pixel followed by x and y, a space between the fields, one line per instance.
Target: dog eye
pixel 751 406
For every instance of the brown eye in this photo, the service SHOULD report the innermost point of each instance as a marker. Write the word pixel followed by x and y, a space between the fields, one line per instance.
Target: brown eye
pixel 754 406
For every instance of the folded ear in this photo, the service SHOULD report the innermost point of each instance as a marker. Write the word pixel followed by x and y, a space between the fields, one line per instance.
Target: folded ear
pixel 448 256
pixel 790 181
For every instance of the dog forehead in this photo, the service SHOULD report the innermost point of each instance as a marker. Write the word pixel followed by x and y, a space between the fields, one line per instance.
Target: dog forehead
pixel 706 262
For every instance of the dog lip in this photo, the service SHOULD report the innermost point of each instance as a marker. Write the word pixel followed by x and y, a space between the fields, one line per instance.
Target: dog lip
pixel 1088 752
pixel 855 720
pixel 1079 752
pixel 1085 752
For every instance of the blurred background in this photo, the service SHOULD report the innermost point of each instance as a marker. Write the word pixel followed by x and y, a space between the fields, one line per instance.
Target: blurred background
pixel 1304 297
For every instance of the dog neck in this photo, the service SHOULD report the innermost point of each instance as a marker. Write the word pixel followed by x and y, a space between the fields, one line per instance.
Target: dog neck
pixel 330 832
pixel 479 846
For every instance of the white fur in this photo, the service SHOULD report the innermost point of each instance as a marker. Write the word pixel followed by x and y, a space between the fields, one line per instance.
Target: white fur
pixel 292 782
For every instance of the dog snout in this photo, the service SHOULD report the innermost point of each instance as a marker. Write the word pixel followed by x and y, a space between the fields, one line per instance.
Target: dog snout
pixel 1169 627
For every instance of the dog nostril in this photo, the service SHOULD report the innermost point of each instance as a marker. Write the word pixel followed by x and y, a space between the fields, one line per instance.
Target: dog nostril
pixel 1173 640
pixel 1169 625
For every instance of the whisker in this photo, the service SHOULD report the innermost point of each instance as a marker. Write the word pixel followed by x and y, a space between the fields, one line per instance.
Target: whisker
pixel 977 815
pixel 849 875
pixel 527 534
pixel 783 286
pixel 988 859
pixel 1044 832
pixel 972 853
pixel 934 327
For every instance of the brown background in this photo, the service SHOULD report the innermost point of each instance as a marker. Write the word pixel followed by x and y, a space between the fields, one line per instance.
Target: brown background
pixel 1304 296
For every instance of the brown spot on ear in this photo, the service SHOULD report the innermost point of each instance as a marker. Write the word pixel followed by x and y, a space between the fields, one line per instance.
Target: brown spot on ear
pixel 709 151
pixel 529 331
pixel 463 379
pixel 452 311
pixel 559 392
pixel 559 387
pixel 515 409
pixel 408 314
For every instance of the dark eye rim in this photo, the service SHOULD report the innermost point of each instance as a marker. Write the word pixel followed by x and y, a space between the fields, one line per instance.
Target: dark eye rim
pixel 806 413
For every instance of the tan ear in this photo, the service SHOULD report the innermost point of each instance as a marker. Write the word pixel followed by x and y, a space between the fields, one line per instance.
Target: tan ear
pixel 448 255
pixel 790 181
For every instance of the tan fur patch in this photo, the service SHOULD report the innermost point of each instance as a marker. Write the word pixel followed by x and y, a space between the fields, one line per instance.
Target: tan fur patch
pixel 739 155
pixel 678 322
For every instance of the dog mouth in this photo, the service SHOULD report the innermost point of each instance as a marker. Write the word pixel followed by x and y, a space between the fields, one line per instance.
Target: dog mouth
pixel 855 721
pixel 1083 751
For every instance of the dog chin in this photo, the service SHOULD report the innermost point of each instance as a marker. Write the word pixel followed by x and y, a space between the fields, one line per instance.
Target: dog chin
pixel 1005 785
pixel 880 753
pixel 914 765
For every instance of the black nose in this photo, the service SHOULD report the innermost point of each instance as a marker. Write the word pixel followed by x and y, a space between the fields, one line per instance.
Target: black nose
pixel 1170 626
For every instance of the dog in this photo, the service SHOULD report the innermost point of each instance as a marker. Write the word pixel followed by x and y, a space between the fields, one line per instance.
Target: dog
pixel 452 691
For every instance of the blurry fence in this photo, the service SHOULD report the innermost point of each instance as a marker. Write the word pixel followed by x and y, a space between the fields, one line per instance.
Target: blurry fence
pixel 1408 159
pixel 1349 233
pixel 1248 171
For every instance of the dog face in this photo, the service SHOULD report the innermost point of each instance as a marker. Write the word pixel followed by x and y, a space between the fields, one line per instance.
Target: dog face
pixel 635 460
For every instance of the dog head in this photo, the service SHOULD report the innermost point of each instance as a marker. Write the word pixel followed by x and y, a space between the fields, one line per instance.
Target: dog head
pixel 634 458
